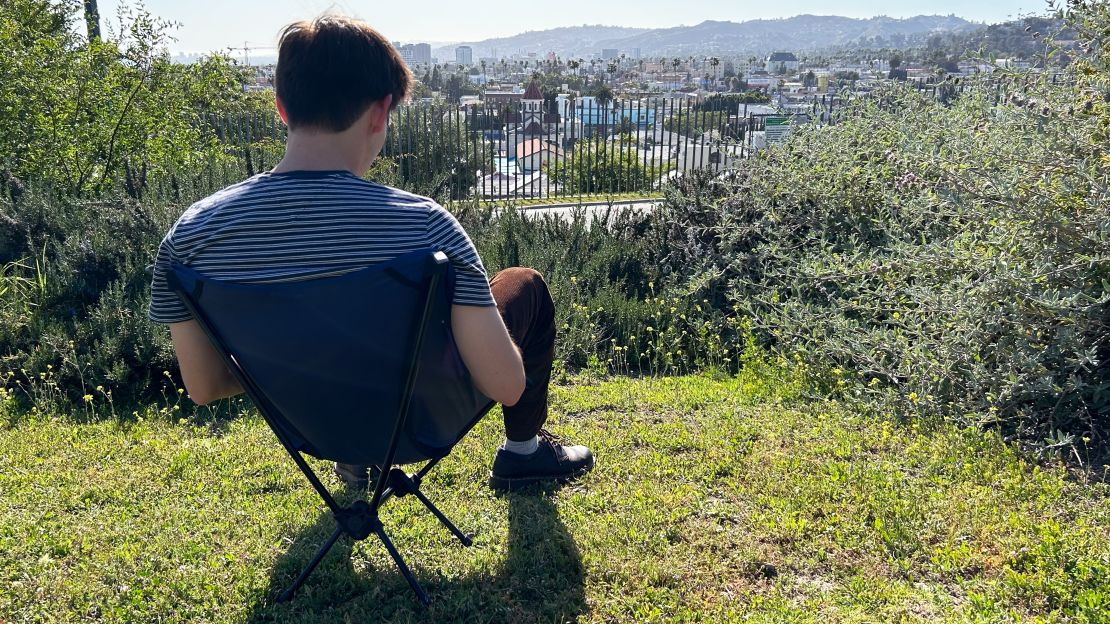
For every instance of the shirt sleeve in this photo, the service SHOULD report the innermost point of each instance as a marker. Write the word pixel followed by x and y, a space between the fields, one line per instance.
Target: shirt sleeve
pixel 471 282
pixel 165 305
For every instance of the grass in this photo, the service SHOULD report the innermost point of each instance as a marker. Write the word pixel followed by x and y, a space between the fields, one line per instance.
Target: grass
pixel 714 500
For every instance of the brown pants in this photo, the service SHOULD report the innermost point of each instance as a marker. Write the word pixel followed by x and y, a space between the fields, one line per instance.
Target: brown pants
pixel 529 313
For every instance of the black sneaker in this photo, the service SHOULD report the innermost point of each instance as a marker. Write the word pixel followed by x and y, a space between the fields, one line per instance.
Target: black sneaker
pixel 552 461
pixel 354 475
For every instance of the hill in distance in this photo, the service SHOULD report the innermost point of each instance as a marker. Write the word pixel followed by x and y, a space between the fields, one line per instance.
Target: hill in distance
pixel 799 33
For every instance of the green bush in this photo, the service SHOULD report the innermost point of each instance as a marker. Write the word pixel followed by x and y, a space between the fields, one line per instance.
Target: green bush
pixel 955 253
pixel 619 309
pixel 77 295
pixel 74 288
pixel 103 116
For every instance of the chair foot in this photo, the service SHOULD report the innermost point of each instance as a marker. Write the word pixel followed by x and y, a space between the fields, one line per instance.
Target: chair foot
pixel 404 568
pixel 287 595
pixel 463 538
pixel 284 596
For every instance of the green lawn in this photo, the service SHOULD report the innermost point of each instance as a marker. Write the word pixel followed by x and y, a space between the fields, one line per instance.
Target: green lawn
pixel 712 501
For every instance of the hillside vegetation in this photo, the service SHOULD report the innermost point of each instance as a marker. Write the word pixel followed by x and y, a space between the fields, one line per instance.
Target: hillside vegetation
pixel 931 257
pixel 713 501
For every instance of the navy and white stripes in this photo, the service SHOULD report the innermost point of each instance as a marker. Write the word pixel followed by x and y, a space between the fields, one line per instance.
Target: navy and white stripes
pixel 306 224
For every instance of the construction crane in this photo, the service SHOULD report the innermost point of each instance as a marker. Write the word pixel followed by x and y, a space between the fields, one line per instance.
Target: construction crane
pixel 249 46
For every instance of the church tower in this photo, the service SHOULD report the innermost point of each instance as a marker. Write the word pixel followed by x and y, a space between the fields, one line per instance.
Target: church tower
pixel 531 109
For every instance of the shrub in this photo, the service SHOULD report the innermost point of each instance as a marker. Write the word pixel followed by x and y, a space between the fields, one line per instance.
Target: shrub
pixel 954 253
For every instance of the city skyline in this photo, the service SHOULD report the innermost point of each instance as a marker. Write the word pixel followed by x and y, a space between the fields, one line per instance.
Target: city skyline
pixel 256 24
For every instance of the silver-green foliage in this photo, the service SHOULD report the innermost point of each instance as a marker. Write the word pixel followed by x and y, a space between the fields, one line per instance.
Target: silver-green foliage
pixel 953 255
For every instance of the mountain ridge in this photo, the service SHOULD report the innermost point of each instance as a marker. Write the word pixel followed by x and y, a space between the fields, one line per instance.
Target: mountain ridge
pixel 797 33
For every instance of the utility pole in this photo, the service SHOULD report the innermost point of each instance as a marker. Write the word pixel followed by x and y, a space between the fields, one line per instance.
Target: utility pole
pixel 92 20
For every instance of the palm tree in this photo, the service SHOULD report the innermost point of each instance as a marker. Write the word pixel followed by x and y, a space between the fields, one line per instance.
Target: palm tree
pixel 604 96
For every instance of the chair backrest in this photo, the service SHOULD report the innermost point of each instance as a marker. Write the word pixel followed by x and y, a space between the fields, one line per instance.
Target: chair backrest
pixel 326 360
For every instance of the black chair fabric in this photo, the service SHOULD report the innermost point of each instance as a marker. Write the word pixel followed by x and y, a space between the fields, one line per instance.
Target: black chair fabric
pixel 330 356
pixel 332 363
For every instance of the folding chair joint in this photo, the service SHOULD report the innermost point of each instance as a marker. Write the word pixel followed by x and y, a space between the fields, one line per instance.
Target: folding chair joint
pixel 402 483
pixel 359 520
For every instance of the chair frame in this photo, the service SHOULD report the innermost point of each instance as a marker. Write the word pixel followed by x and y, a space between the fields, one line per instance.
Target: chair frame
pixel 360 519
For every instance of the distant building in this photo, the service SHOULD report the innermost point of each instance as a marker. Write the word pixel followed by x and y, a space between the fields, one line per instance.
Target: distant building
pixel 590 113
pixel 610 53
pixel 762 80
pixel 636 53
pixel 532 120
pixel 464 55
pixel 1011 63
pixel 782 62
pixel 423 54
pixel 415 53
pixel 533 154
pixel 502 98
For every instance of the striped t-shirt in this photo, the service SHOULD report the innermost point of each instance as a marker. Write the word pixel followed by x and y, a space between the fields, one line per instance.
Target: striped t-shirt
pixel 298 225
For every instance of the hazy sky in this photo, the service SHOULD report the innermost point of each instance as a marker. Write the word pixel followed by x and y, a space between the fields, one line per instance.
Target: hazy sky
pixel 214 25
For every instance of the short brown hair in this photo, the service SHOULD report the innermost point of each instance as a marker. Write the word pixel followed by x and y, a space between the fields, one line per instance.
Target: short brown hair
pixel 331 69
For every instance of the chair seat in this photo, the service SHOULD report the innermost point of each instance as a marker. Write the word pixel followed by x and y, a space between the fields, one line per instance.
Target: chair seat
pixel 358 368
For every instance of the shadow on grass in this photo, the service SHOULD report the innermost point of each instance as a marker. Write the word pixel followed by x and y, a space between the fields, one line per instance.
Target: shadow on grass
pixel 539 579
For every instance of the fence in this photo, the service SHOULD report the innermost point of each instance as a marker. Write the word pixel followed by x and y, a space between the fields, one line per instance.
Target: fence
pixel 518 149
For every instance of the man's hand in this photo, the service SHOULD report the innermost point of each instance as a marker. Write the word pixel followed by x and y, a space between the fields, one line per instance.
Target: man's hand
pixel 203 370
pixel 488 352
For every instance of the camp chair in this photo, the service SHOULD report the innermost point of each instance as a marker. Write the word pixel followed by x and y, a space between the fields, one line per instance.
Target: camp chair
pixel 359 368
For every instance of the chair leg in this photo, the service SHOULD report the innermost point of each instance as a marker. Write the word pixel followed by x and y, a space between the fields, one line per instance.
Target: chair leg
pixel 287 595
pixel 423 597
pixel 466 541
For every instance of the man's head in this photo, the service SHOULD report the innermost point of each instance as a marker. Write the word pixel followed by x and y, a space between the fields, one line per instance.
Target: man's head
pixel 332 69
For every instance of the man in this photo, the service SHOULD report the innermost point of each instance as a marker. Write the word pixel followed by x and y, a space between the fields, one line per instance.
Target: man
pixel 337 80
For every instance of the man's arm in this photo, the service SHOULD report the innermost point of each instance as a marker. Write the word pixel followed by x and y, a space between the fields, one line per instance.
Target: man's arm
pixel 203 370
pixel 484 344
pixel 488 352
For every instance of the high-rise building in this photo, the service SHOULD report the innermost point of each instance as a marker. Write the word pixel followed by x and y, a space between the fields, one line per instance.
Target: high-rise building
pixel 636 53
pixel 610 53
pixel 415 53
pixel 406 52
pixel 464 55
pixel 423 54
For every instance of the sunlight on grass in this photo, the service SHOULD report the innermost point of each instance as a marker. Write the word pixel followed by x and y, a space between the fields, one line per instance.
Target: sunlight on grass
pixel 713 500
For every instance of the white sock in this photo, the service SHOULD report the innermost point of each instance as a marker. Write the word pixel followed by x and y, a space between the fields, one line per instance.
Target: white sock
pixel 527 447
